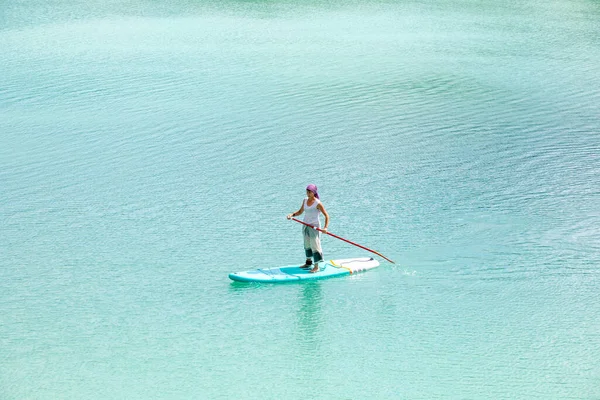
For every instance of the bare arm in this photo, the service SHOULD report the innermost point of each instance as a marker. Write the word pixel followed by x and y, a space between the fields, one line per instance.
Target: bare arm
pixel 299 212
pixel 322 208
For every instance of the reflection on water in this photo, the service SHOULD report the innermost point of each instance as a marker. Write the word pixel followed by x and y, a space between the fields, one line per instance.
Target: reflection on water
pixel 310 316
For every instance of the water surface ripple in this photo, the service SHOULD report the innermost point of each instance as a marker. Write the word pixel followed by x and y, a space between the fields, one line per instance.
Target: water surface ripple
pixel 147 150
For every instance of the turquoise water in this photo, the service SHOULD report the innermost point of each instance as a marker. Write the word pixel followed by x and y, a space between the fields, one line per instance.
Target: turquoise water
pixel 147 149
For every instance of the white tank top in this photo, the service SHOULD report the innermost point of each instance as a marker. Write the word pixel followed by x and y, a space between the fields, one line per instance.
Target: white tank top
pixel 311 214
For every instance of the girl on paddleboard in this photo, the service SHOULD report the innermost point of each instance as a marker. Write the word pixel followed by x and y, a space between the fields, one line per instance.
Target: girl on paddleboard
pixel 313 208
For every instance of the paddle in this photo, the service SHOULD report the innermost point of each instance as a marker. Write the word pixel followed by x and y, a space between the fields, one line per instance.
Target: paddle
pixel 345 240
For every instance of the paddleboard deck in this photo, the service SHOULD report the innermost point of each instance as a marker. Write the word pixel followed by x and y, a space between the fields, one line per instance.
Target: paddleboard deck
pixel 293 273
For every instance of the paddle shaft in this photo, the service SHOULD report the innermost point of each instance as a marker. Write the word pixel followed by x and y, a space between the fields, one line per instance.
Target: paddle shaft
pixel 345 240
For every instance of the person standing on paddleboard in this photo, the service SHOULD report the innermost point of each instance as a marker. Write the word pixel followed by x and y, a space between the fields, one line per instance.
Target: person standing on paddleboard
pixel 313 208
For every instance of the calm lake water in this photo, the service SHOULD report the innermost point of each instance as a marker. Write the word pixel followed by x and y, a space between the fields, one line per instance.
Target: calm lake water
pixel 147 149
